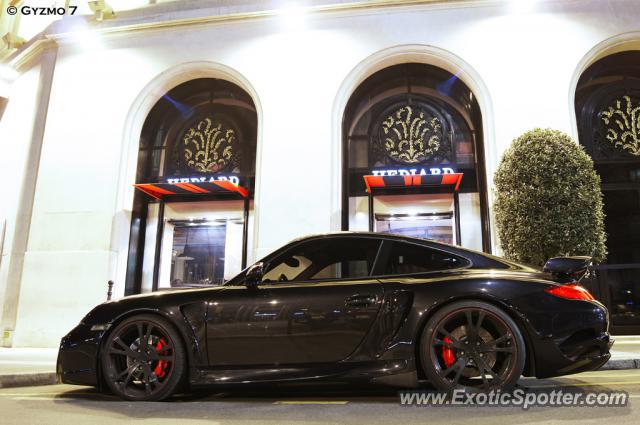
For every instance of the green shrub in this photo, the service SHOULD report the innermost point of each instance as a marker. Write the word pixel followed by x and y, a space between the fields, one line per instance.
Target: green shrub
pixel 548 200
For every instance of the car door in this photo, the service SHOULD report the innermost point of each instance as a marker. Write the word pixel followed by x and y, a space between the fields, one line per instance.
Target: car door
pixel 315 305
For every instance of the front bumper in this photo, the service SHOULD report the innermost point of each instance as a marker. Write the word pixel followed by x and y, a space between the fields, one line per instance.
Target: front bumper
pixel 78 356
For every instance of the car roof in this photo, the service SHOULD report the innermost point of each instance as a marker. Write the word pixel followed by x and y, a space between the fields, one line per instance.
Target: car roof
pixel 362 233
pixel 455 249
pixel 380 236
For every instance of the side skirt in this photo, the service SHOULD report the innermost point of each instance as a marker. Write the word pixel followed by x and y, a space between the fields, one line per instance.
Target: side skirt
pixel 395 373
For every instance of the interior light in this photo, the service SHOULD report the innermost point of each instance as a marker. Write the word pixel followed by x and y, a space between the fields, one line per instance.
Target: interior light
pixel 412 212
pixel 101 10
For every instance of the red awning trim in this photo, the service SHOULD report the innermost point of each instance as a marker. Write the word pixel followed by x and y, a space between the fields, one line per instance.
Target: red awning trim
pixel 162 190
pixel 430 180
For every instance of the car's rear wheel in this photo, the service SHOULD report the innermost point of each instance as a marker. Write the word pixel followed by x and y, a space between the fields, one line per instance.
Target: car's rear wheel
pixel 143 359
pixel 472 345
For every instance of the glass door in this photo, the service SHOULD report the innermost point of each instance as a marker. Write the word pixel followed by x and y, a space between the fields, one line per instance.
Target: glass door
pixel 201 244
pixel 198 253
pixel 619 278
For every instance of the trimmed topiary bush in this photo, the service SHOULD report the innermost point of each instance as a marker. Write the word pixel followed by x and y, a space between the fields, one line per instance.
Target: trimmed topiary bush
pixel 548 201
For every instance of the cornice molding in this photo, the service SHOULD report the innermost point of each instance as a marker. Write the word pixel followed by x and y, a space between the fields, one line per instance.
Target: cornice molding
pixel 136 21
pixel 27 56
pixel 158 21
pixel 152 19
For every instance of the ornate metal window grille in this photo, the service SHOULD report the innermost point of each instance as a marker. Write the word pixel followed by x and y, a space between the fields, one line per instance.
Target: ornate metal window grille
pixel 609 122
pixel 411 133
pixel 411 137
pixel 621 122
pixel 209 144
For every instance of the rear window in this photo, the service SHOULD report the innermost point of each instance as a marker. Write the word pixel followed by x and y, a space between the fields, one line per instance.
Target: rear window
pixel 408 258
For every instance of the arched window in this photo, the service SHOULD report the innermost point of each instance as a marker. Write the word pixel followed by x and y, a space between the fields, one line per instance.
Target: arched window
pixel 196 172
pixel 415 120
pixel 202 126
pixel 607 106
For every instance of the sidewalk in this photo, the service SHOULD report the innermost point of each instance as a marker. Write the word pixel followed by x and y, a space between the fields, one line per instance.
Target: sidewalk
pixel 21 367
pixel 625 353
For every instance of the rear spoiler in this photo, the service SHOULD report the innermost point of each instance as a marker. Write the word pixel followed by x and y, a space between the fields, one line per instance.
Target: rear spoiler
pixel 568 269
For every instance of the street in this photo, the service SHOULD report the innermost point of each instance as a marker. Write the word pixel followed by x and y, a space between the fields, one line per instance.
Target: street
pixel 69 405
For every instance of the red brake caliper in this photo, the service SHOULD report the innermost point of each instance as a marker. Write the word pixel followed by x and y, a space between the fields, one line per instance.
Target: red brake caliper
pixel 447 352
pixel 161 367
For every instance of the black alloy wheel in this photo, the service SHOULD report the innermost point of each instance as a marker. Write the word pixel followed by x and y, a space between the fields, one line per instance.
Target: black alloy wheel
pixel 143 359
pixel 472 345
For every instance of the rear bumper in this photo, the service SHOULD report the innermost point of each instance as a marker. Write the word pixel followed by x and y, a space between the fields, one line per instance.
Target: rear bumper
pixel 78 357
pixel 579 342
pixel 597 354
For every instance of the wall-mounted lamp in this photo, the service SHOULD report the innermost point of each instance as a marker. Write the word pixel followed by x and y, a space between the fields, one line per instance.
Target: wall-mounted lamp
pixel 101 10
pixel 12 41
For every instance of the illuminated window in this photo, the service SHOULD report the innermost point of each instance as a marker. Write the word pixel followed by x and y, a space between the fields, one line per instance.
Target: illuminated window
pixel 418 119
pixel 200 130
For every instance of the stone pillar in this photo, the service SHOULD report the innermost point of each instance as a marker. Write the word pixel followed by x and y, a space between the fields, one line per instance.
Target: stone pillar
pixel 14 259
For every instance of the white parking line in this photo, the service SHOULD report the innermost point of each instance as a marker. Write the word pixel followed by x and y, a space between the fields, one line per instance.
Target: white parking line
pixel 599 375
pixel 584 384
pixel 47 393
pixel 341 402
pixel 34 398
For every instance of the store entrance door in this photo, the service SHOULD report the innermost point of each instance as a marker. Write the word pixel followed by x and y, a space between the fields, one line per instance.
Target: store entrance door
pixel 205 252
pixel 200 243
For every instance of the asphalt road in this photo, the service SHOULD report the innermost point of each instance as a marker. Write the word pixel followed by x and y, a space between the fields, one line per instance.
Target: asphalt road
pixel 69 405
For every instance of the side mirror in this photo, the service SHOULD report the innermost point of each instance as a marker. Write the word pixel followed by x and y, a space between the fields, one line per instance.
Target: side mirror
pixel 254 275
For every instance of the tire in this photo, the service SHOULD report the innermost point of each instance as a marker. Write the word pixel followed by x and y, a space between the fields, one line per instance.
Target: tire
pixel 143 371
pixel 472 345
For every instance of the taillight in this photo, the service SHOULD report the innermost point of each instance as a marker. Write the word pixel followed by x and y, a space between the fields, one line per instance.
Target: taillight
pixel 572 292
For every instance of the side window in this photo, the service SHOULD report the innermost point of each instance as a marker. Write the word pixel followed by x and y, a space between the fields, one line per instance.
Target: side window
pixel 331 258
pixel 289 268
pixel 406 258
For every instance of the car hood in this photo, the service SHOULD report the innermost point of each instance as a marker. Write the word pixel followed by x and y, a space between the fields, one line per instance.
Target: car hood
pixel 167 293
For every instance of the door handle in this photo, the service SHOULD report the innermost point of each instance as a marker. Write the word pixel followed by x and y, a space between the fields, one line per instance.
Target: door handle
pixel 360 300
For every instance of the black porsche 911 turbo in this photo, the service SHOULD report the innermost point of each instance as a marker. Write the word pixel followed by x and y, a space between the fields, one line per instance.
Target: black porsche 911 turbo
pixel 347 308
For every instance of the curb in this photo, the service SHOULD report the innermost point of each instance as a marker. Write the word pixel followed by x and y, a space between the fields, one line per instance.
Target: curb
pixel 625 338
pixel 621 364
pixel 27 379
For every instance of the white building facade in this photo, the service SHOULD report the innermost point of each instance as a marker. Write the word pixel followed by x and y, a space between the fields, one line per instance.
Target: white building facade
pixel 81 93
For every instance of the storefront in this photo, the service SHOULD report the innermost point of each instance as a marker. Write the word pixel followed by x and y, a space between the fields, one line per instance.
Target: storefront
pixel 413 157
pixel 172 144
pixel 196 173
pixel 608 115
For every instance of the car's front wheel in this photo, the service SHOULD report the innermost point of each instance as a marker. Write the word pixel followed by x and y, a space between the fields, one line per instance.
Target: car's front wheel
pixel 143 359
pixel 472 345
